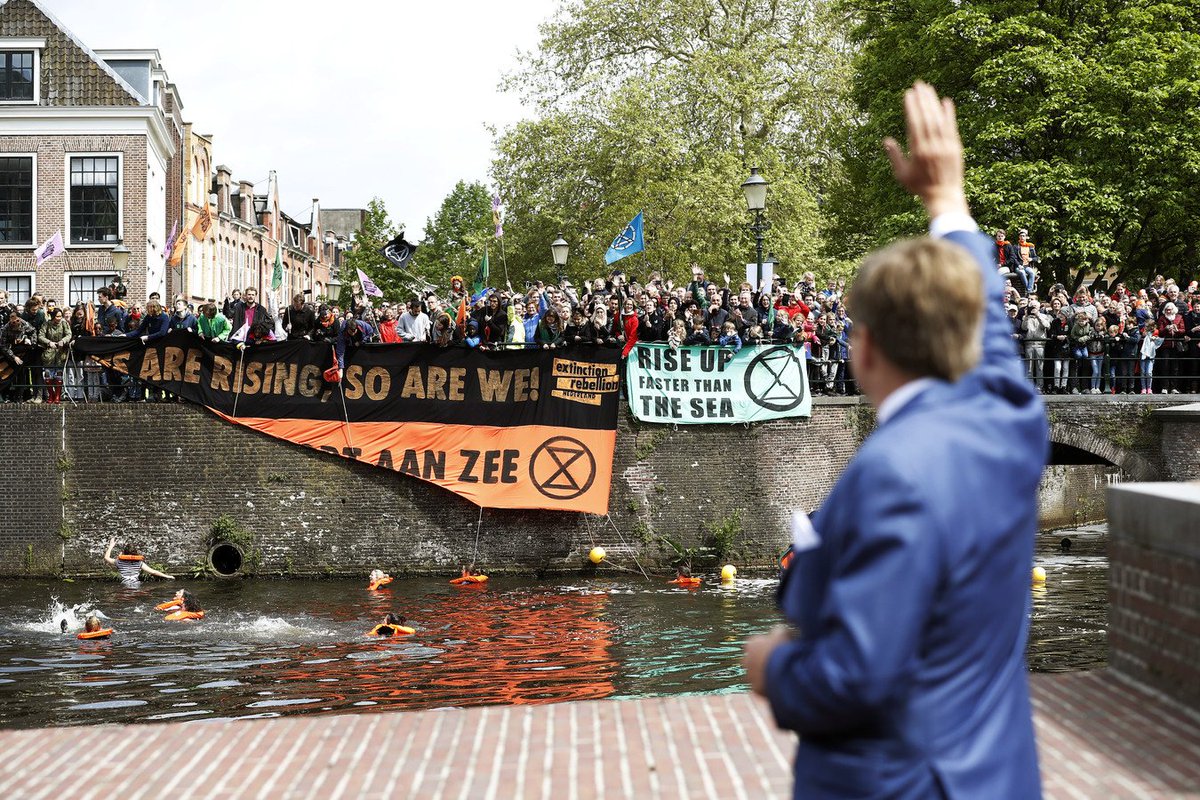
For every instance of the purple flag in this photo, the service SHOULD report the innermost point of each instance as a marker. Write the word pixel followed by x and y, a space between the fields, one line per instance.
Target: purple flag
pixel 170 248
pixel 52 248
pixel 498 215
pixel 369 287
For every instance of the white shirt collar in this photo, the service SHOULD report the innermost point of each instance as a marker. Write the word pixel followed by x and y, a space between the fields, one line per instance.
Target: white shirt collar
pixel 901 397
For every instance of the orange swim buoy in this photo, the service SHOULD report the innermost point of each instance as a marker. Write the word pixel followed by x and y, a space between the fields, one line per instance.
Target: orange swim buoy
pixel 124 557
pixel 690 583
pixel 468 580
pixel 170 605
pixel 103 633
pixel 391 630
pixel 181 615
pixel 373 585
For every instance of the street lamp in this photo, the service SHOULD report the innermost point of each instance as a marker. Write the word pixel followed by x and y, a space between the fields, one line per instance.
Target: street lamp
pixel 755 189
pixel 120 261
pixel 772 264
pixel 560 249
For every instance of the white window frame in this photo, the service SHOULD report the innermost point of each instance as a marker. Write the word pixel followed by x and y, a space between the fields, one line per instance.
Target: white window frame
pixel 120 200
pixel 9 44
pixel 23 274
pixel 35 244
pixel 83 273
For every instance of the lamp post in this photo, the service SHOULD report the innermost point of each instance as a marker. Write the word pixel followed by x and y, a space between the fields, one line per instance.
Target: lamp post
pixel 755 189
pixel 560 249
pixel 338 245
pixel 120 262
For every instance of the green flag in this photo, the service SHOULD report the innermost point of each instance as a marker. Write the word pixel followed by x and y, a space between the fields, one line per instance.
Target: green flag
pixel 481 277
pixel 277 273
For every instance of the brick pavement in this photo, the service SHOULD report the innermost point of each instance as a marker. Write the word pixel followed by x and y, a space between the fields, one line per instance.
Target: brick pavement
pixel 1100 737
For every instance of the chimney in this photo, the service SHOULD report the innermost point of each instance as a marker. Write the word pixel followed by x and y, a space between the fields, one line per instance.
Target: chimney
pixel 246 192
pixel 224 190
pixel 314 231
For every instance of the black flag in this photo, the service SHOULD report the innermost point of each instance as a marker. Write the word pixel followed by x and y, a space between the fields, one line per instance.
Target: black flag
pixel 398 251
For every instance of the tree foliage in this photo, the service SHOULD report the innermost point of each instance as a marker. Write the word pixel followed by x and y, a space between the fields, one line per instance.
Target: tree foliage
pixel 1080 120
pixel 376 231
pixel 456 236
pixel 663 106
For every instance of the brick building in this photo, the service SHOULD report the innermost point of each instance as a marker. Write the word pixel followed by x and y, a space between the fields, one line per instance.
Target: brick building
pixel 89 145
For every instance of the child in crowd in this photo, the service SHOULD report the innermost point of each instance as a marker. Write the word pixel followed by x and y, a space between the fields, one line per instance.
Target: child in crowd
pixel 729 337
pixel 1149 349
pixel 678 334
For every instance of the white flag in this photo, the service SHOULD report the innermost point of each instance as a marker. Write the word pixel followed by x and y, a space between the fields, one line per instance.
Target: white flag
pixel 241 333
pixel 52 248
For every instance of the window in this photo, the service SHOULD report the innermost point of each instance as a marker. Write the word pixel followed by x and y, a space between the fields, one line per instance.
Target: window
pixel 16 200
pixel 16 75
pixel 83 288
pixel 95 199
pixel 19 288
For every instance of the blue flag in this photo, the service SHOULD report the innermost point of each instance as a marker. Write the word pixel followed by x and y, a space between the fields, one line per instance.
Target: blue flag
pixel 628 241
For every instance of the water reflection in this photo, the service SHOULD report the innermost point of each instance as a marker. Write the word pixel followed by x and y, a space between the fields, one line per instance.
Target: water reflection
pixel 1070 612
pixel 272 648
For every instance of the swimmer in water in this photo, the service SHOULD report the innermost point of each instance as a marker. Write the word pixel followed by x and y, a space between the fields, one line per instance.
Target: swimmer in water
pixel 378 578
pixel 130 565
pixel 191 608
pixel 91 624
pixel 392 625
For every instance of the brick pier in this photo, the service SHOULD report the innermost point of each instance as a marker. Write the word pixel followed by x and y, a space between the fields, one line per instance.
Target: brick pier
pixel 1099 737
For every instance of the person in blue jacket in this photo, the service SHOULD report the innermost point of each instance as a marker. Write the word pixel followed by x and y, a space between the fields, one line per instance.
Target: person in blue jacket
pixel 903 668
pixel 351 333
pixel 154 325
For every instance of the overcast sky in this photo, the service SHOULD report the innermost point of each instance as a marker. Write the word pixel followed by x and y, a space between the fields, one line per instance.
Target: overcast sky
pixel 346 100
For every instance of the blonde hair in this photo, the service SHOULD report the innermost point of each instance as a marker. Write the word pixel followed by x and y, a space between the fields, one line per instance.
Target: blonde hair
pixel 153 307
pixel 922 301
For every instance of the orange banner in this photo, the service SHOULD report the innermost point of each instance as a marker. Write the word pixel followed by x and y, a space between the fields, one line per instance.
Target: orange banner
pixel 531 466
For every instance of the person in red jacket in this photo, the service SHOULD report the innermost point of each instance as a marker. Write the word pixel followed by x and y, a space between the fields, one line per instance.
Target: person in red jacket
pixel 792 305
pixel 1173 352
pixel 629 322
pixel 387 327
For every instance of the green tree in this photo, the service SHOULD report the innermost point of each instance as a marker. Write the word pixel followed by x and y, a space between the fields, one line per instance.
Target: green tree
pixel 456 236
pixel 663 107
pixel 1080 121
pixel 375 231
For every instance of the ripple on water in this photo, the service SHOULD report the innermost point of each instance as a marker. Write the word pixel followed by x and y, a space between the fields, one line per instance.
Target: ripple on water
pixel 105 705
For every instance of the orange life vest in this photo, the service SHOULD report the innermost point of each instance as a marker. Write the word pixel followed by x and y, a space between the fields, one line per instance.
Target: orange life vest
pixel 786 561
pixel 391 630
pixel 181 615
pixel 103 633
pixel 467 580
pixel 169 605
pixel 373 585
pixel 689 582
pixel 124 557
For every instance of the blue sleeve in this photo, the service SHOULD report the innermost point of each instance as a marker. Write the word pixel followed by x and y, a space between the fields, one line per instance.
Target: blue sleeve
pixel 861 654
pixel 164 327
pixel 543 305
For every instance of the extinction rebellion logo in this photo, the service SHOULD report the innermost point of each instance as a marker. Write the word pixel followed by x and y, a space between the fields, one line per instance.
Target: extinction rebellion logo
pixel 625 239
pixel 562 468
pixel 775 378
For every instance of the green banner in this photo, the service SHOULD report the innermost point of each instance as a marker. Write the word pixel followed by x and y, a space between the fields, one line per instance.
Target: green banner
pixel 706 385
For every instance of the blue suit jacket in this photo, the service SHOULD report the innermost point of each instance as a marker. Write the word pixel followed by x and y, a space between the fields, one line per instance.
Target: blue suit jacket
pixel 908 677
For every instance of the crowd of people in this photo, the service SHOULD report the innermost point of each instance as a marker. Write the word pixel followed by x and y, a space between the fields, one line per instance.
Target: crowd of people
pixel 1085 342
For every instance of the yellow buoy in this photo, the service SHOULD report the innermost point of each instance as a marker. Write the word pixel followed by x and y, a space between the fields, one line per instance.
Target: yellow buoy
pixel 1039 575
pixel 597 555
pixel 728 572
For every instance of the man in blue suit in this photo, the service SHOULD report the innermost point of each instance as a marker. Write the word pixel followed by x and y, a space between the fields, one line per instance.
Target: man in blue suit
pixel 903 668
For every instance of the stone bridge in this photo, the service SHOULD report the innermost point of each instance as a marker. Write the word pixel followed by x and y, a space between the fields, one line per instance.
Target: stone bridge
pixel 162 474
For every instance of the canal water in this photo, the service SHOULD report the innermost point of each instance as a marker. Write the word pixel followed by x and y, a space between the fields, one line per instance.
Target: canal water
pixel 271 648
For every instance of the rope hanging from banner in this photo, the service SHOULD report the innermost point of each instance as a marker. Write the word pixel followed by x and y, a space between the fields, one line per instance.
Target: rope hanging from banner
pixel 632 554
pixel 475 551
pixel 241 377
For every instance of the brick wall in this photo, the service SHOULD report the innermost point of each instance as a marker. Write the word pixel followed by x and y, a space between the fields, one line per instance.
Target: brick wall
pixel 161 474
pixel 1154 587
pixel 52 209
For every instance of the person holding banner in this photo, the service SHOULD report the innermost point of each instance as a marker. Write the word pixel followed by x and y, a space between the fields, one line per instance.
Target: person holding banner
pixel 903 665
